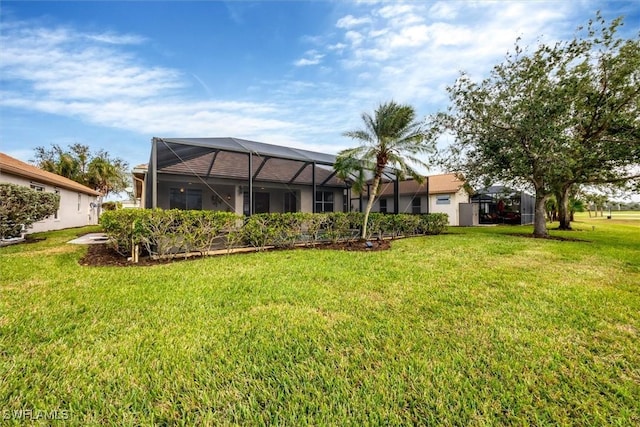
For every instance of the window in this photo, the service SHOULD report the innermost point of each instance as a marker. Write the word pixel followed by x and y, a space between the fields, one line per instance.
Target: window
pixel 416 205
pixel 324 201
pixel 79 201
pixel 443 200
pixel 383 205
pixel 190 198
pixel 290 202
pixel 37 187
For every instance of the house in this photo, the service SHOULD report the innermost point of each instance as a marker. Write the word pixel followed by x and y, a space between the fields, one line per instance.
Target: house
pixel 78 204
pixel 248 177
pixel 237 175
pixel 437 194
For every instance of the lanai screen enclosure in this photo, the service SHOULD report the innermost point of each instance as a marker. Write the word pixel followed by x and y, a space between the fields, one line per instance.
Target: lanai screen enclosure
pixel 241 176
pixel 501 205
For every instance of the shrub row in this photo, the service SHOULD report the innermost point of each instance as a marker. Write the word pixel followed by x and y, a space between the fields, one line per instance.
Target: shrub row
pixel 171 232
pixel 21 207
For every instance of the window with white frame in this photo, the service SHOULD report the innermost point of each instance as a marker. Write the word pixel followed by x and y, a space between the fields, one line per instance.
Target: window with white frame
pixel 37 187
pixel 79 201
pixel 324 201
pixel 444 199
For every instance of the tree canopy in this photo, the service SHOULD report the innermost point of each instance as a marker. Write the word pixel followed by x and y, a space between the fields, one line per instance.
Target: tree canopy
pixel 564 115
pixel 393 138
pixel 99 171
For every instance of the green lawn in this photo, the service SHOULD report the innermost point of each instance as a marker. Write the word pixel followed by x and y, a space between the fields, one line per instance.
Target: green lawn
pixel 474 327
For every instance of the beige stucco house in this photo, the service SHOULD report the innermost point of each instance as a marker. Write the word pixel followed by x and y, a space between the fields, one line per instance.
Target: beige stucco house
pixel 78 204
pixel 248 177
pixel 237 175
pixel 437 194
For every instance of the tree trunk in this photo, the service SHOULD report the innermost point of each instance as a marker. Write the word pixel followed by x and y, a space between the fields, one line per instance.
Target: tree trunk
pixel 539 219
pixel 372 195
pixel 563 208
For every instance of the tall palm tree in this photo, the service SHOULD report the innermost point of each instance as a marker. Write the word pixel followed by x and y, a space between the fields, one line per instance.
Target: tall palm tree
pixel 106 175
pixel 390 138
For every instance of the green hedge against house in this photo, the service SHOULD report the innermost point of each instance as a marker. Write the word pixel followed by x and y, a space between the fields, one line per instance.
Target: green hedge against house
pixel 21 206
pixel 172 232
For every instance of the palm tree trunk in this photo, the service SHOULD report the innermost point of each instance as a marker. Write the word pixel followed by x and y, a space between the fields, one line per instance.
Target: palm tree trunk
pixel 372 196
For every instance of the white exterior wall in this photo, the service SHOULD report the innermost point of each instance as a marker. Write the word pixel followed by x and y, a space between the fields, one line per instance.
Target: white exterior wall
pixel 452 209
pixel 69 215
pixel 405 205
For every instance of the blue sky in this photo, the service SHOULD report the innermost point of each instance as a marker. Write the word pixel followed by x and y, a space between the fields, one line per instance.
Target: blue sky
pixel 114 74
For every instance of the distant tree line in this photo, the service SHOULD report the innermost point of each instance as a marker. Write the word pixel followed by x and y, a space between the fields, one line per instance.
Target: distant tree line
pixel 97 170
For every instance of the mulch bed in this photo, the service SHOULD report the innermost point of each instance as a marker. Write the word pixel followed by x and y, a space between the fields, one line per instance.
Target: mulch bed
pixel 101 255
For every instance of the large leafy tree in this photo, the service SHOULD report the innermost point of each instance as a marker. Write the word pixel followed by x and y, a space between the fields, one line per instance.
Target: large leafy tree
pixel 564 115
pixel 99 170
pixel 603 92
pixel 391 138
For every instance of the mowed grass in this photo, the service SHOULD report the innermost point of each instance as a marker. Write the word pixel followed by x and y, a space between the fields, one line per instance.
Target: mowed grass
pixel 474 327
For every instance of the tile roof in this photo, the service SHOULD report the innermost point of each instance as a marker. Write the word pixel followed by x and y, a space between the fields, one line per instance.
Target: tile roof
pixel 233 165
pixel 12 166
pixel 438 184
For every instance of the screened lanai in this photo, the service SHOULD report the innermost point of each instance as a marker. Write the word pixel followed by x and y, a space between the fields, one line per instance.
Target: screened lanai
pixel 241 176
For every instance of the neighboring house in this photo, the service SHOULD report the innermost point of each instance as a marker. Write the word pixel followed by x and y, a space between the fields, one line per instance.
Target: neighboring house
pixel 437 194
pixel 237 175
pixel 78 204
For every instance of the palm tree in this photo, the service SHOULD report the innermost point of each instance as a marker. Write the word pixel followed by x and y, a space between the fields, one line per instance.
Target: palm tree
pixel 391 138
pixel 106 175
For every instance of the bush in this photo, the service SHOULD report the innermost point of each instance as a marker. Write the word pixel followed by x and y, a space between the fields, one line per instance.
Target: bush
pixel 433 223
pixel 167 232
pixel 170 232
pixel 111 206
pixel 21 206
pixel 126 228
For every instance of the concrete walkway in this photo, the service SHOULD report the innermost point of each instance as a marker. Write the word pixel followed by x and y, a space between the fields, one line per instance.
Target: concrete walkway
pixel 90 239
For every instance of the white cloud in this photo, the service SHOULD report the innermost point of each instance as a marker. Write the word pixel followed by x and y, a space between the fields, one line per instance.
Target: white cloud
pixel 59 64
pixel 394 10
pixel 354 38
pixel 338 46
pixel 410 36
pixel 112 38
pixel 349 21
pixel 78 75
pixel 312 57
pixel 444 10
pixel 412 51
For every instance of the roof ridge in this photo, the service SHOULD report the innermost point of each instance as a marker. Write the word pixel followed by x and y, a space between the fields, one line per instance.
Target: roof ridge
pixel 21 168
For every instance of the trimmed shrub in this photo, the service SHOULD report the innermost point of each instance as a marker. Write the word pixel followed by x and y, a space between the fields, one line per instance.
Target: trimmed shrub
pixel 111 206
pixel 172 232
pixel 126 228
pixel 434 223
pixel 21 206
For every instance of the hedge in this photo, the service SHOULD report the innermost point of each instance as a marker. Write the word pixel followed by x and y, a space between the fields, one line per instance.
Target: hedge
pixel 21 207
pixel 173 232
